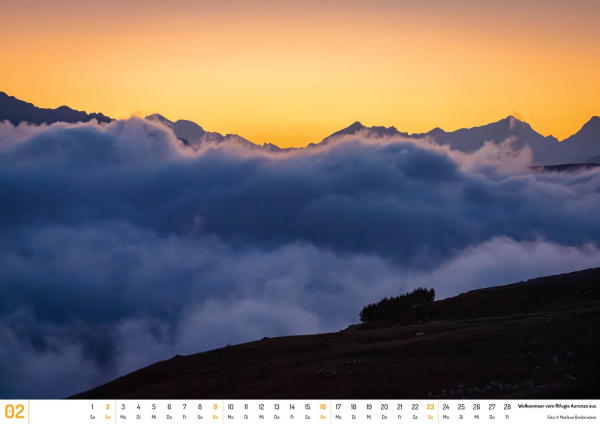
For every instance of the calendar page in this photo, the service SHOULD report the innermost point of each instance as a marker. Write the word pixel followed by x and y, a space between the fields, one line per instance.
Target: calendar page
pixel 299 211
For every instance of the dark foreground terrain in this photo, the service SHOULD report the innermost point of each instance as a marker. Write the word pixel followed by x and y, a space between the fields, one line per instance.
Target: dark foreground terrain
pixel 535 339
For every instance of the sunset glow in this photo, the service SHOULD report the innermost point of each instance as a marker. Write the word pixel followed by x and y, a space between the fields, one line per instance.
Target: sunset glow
pixel 292 72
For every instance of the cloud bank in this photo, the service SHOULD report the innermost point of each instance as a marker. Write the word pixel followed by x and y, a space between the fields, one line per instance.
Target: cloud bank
pixel 120 247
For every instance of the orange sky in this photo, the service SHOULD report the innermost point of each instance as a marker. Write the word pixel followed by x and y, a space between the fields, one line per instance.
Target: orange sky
pixel 291 72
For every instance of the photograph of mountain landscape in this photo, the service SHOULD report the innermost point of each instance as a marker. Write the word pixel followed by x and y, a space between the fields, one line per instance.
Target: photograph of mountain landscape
pixel 297 199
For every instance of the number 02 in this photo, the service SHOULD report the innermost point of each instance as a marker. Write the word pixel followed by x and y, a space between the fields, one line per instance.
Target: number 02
pixel 10 411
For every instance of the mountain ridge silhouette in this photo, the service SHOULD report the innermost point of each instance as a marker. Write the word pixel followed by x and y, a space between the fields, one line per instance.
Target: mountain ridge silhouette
pixel 546 150
pixel 16 111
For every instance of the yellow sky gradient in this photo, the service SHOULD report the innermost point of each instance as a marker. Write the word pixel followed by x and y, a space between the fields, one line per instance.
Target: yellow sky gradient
pixel 292 72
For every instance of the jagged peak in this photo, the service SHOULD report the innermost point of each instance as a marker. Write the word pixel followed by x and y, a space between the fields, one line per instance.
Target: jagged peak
pixel 513 118
pixel 355 126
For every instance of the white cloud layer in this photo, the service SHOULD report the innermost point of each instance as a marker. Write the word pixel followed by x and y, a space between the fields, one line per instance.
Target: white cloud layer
pixel 119 247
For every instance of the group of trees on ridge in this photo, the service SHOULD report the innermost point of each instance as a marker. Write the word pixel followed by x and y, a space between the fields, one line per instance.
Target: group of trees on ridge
pixel 397 308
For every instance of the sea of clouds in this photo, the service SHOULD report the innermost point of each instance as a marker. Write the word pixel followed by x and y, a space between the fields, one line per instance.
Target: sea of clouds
pixel 120 247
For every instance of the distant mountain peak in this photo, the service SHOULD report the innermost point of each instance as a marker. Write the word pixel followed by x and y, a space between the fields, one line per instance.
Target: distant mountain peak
pixel 184 129
pixel 436 130
pixel 157 117
pixel 356 126
pixel 514 123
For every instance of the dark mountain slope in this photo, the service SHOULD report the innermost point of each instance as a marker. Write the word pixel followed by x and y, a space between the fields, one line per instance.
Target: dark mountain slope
pixel 16 111
pixel 535 339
